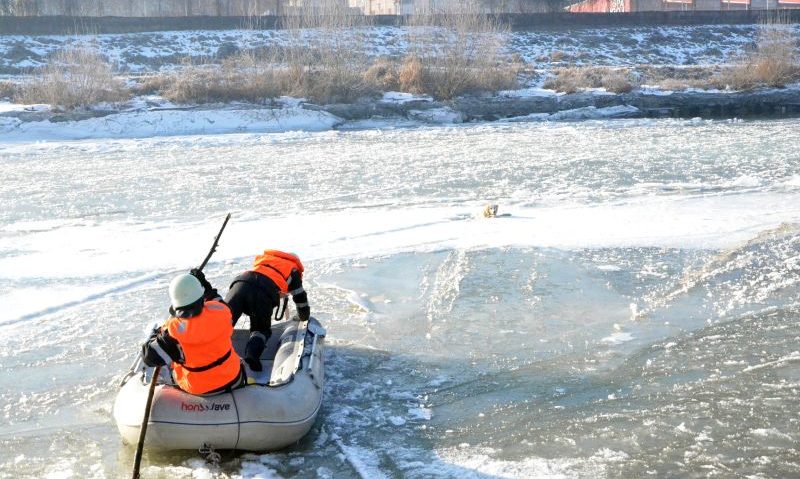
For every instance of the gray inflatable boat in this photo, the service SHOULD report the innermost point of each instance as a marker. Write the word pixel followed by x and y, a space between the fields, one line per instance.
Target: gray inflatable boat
pixel 274 412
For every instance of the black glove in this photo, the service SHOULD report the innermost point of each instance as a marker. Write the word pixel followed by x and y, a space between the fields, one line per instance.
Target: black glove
pixel 202 278
pixel 254 364
pixel 303 313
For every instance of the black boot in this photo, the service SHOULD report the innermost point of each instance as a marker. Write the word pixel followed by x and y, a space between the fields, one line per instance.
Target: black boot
pixel 252 352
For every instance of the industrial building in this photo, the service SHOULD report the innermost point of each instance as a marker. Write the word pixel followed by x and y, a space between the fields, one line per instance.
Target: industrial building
pixel 611 6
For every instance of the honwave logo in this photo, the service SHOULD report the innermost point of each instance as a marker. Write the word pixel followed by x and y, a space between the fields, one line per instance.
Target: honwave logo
pixel 205 407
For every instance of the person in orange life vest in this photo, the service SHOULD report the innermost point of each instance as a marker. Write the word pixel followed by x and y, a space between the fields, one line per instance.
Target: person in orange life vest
pixel 196 340
pixel 259 291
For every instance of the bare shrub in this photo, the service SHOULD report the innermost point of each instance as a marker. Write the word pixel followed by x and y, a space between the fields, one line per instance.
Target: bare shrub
pixel 239 78
pixel 773 63
pixel 412 76
pixel 574 79
pixel 151 84
pixel 383 75
pixel 675 84
pixel 669 77
pixel 73 78
pixel 460 52
pixel 324 60
pixel 7 89
pixel 327 52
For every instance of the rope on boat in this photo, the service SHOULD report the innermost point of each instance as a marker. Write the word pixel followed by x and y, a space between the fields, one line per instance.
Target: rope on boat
pixel 210 455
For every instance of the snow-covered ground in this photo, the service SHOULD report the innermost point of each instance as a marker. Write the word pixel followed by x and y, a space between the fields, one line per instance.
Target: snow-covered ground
pixel 147 52
pixel 136 53
pixel 143 123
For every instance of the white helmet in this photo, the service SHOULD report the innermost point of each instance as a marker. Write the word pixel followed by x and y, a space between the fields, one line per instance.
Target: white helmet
pixel 184 290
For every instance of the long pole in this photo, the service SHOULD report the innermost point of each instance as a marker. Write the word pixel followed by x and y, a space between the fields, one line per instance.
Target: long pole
pixel 216 242
pixel 137 459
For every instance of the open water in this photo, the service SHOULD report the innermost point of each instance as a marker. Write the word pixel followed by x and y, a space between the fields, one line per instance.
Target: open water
pixel 634 314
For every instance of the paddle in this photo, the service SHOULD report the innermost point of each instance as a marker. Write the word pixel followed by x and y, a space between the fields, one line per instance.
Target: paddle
pixel 137 459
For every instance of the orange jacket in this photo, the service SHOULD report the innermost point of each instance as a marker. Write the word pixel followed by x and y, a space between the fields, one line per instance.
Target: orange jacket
pixel 209 359
pixel 278 266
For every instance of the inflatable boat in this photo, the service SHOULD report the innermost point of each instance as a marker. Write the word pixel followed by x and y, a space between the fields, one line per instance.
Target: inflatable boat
pixel 276 409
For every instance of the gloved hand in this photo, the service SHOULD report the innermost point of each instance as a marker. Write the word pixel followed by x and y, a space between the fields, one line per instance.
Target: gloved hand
pixel 202 278
pixel 303 313
pixel 254 364
pixel 153 333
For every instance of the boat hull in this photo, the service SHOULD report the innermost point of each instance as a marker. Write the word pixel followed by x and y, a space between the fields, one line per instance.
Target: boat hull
pixel 258 417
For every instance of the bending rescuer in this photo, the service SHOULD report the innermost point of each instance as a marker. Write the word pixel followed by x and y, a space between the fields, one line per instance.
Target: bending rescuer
pixel 259 291
pixel 196 340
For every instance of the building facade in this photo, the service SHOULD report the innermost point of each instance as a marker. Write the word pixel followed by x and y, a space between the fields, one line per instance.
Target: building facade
pixel 611 6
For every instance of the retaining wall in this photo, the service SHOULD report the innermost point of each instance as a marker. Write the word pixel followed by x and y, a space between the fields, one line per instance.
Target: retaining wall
pixel 64 25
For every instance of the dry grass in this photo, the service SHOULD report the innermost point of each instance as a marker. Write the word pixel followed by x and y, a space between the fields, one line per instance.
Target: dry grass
pixel 412 77
pixel 239 78
pixel 457 53
pixel 73 78
pixel 332 60
pixel 773 63
pixel 383 75
pixel 325 61
pixel 7 89
pixel 574 79
pixel 678 84
pixel 674 78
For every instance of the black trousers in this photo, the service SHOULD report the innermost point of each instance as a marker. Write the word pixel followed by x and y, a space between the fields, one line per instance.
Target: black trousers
pixel 256 296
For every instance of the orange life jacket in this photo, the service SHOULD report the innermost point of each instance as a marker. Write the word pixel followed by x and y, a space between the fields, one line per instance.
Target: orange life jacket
pixel 277 266
pixel 209 359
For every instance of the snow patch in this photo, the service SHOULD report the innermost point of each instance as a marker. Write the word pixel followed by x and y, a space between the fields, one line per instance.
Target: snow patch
pixel 170 123
pixel 609 267
pixel 401 97
pixel 618 338
pixel 586 113
pixel 437 115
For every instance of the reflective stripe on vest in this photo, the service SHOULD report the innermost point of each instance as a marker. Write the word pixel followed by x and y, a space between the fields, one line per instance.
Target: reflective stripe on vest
pixel 209 360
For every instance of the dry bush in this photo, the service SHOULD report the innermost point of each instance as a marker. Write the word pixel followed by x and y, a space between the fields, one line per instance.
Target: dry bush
pixel 327 52
pixel 574 79
pixel 412 76
pixel 383 75
pixel 459 52
pixel 773 63
pixel 151 84
pixel 677 84
pixel 7 89
pixel 239 78
pixel 73 78
pixel 669 77
pixel 324 60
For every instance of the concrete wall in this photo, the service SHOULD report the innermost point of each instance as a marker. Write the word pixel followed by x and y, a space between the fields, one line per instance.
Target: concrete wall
pixel 145 8
pixel 37 25
pixel 606 6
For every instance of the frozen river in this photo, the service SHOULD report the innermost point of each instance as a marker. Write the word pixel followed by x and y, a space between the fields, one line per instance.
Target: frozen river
pixel 634 314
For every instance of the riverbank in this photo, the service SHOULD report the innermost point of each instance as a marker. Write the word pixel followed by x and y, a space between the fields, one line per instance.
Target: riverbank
pixel 151 116
pixel 216 82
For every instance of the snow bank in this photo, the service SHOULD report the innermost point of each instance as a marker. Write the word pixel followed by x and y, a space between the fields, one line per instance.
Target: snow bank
pixel 586 113
pixel 151 123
